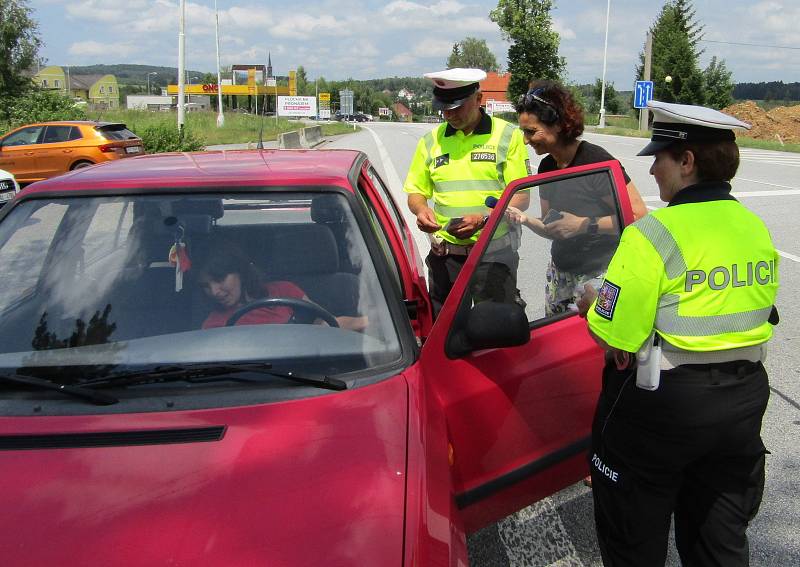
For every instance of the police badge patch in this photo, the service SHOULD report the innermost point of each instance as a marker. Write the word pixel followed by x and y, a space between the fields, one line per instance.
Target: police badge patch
pixel 483 156
pixel 607 300
pixel 441 160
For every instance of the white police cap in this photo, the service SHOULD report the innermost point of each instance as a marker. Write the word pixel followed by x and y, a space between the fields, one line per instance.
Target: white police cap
pixel 688 123
pixel 454 86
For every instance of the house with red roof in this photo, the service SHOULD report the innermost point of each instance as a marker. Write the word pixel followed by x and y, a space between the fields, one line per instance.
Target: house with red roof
pixel 495 87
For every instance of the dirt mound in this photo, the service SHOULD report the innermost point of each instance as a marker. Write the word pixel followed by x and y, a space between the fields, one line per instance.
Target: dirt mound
pixel 782 122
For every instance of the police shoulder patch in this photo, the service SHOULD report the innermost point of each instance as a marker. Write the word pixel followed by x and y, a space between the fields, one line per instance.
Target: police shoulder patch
pixel 607 298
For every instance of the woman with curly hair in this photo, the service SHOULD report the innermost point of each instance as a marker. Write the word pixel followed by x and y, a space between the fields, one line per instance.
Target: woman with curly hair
pixel 585 232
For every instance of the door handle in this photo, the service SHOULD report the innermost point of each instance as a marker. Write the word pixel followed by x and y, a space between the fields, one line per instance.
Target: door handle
pixel 28 153
pixel 67 151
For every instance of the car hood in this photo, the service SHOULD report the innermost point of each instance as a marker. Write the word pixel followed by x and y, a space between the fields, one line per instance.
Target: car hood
pixel 317 481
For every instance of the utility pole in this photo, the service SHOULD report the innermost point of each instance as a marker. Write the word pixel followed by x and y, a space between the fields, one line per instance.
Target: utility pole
pixel 220 116
pixel 182 68
pixel 648 56
pixel 602 123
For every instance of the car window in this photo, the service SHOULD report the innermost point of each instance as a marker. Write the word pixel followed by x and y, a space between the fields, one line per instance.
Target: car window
pixel 25 136
pixel 125 281
pixel 377 229
pixel 390 206
pixel 117 132
pixel 545 269
pixel 54 134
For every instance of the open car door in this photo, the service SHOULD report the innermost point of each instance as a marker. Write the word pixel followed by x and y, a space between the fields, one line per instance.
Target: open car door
pixel 519 417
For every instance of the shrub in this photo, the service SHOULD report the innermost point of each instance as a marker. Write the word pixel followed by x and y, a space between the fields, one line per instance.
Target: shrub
pixel 166 138
pixel 42 106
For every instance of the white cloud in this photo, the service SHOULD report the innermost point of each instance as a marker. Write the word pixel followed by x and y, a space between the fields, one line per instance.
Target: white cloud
pixel 402 60
pixel 95 49
pixel 430 47
pixel 403 8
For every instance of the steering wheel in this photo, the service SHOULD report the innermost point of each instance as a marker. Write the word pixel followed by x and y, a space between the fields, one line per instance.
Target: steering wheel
pixel 300 304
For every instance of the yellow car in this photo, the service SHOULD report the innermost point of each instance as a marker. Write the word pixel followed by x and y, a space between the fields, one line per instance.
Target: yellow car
pixel 40 151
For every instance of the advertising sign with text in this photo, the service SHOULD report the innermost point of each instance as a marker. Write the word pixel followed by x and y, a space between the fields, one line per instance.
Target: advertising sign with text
pixel 297 106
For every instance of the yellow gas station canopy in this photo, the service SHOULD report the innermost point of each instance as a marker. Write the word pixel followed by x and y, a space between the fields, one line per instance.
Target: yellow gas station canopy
pixel 237 90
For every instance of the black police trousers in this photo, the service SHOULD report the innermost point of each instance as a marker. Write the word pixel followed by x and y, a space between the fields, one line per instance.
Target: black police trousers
pixel 494 279
pixel 691 448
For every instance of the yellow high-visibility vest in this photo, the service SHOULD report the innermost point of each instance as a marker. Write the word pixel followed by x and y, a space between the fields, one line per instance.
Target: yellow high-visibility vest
pixel 458 172
pixel 703 274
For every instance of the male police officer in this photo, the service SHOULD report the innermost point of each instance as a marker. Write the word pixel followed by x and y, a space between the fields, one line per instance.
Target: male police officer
pixel 458 165
pixel 693 284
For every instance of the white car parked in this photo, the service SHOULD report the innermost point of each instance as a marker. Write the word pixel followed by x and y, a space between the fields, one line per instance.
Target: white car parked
pixel 8 187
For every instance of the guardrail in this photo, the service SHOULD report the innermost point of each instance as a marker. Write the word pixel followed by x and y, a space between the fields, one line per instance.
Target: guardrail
pixel 300 139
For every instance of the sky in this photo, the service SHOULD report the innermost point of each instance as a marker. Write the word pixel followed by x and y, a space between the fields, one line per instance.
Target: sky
pixel 367 39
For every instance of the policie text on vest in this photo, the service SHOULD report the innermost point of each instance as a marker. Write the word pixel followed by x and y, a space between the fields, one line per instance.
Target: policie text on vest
pixel 761 272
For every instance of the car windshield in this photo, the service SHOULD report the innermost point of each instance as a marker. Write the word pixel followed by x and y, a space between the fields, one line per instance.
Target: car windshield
pixel 107 285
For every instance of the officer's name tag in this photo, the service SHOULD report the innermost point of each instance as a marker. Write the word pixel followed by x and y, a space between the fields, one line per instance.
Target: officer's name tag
pixel 441 160
pixel 484 156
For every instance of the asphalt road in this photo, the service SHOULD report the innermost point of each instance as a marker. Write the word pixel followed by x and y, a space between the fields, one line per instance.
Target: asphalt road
pixel 559 531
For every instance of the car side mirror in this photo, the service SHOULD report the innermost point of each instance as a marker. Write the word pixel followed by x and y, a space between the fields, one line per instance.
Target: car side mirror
pixel 489 324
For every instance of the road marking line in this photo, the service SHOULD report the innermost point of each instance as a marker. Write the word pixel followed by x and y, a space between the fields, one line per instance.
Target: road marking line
pixel 388 167
pixel 788 256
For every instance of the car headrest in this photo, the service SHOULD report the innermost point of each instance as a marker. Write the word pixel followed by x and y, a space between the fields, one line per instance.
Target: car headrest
pixel 306 249
pixel 328 209
pixel 209 206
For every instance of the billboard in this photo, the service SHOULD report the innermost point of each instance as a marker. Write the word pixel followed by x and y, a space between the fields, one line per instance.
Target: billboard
pixel 493 106
pixel 297 106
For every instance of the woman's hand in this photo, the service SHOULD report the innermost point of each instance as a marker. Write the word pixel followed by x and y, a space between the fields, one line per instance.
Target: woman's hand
pixel 353 323
pixel 515 216
pixel 350 323
pixel 568 226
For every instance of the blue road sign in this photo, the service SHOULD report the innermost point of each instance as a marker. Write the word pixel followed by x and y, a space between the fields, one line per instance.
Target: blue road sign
pixel 642 93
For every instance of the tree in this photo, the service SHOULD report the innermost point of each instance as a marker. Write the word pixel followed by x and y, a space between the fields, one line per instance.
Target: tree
pixel 719 86
pixel 675 37
pixel 473 53
pixel 19 47
pixel 302 81
pixel 533 53
pixel 611 102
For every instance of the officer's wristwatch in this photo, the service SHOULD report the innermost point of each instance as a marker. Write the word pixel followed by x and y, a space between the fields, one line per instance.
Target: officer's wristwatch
pixel 484 220
pixel 592 228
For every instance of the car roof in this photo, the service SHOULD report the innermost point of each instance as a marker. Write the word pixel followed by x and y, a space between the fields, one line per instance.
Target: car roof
pixel 226 168
pixel 70 123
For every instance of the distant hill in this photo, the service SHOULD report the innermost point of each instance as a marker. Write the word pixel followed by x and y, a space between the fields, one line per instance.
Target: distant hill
pixel 136 74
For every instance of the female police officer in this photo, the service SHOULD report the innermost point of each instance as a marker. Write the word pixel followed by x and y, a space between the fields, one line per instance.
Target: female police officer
pixel 695 280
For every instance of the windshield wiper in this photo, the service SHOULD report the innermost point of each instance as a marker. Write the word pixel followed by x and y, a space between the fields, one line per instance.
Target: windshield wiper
pixel 199 373
pixel 96 398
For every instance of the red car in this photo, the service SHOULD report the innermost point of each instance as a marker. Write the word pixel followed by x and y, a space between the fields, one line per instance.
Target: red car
pixel 135 433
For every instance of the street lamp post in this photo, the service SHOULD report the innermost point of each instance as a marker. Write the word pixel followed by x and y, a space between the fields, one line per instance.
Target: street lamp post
pixel 220 116
pixel 181 66
pixel 148 81
pixel 602 122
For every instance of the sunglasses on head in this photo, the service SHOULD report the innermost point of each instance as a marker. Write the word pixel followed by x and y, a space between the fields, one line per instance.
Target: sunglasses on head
pixel 532 96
